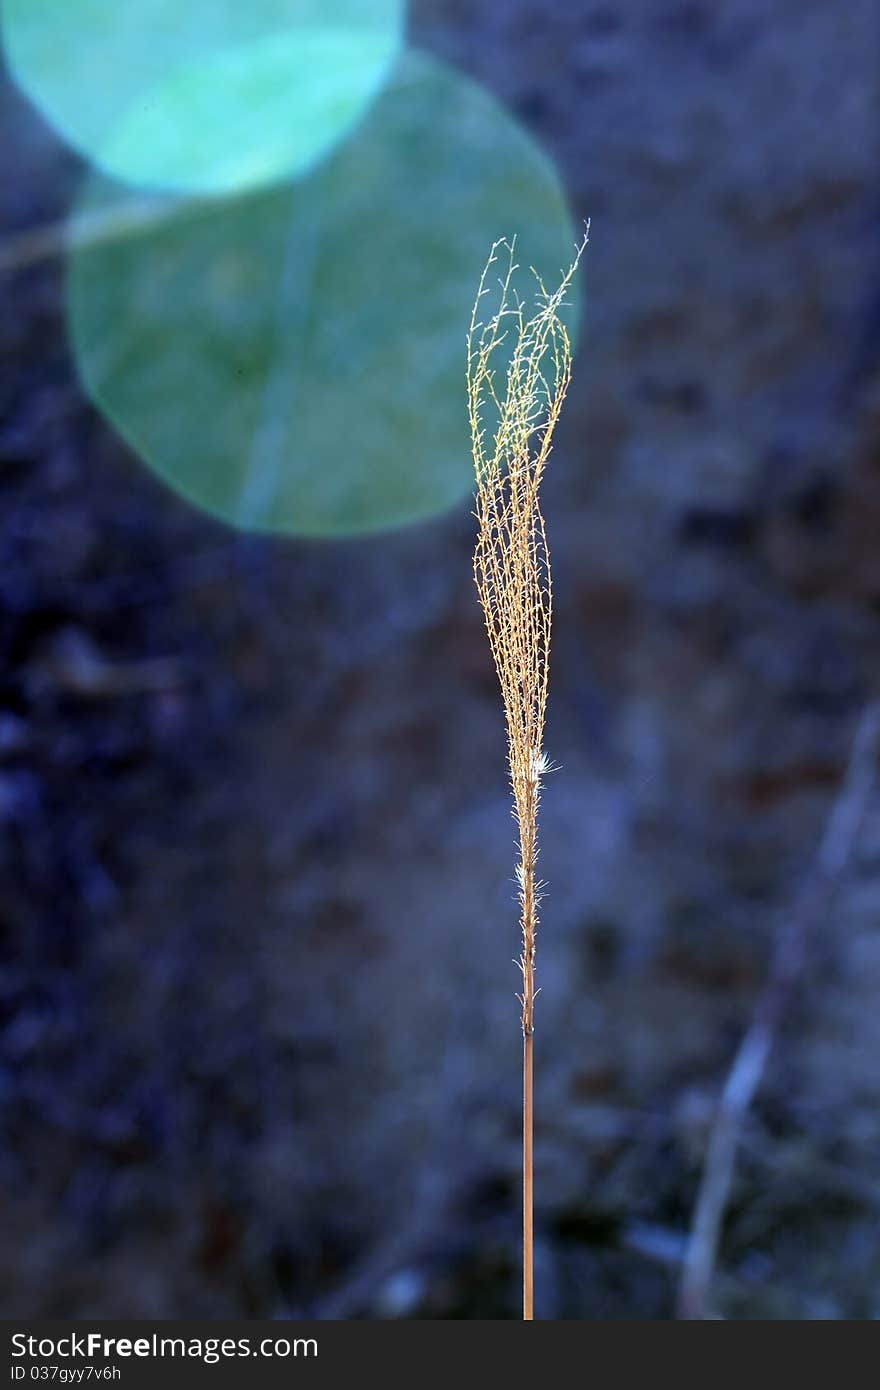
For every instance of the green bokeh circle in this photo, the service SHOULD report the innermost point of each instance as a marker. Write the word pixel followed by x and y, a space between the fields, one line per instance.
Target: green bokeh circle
pixel 293 360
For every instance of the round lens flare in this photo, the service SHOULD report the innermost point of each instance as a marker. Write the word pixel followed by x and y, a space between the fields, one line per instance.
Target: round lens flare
pixel 207 96
pixel 293 360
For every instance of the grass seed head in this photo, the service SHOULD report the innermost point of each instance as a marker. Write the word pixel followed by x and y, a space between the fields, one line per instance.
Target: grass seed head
pixel 518 371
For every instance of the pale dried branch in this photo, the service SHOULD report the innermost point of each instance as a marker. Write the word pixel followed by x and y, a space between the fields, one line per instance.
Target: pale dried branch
pixel 744 1078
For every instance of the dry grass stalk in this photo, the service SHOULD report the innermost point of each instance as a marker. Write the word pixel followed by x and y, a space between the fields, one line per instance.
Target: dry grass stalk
pixel 512 423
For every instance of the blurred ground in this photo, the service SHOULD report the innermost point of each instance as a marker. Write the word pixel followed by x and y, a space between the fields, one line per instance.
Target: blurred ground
pixel 260 1051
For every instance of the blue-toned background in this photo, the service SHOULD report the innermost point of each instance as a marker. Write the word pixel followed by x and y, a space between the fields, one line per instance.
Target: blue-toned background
pixel 259 1048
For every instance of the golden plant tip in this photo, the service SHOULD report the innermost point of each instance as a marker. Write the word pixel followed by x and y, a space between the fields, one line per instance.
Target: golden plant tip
pixel 512 426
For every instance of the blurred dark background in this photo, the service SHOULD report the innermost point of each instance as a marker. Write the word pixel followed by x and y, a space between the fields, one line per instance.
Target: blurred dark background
pixel 259 1051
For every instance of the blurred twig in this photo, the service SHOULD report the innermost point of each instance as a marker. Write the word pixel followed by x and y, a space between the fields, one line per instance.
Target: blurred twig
pixel 75 664
pixel 444 1176
pixel 114 223
pixel 427 1219
pixel 744 1078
